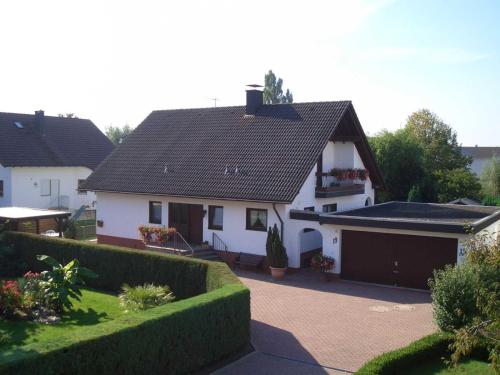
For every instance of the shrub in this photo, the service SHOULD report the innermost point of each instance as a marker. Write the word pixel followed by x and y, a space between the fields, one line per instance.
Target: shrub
pixel 11 264
pixel 10 298
pixel 401 360
pixel 63 282
pixel 276 252
pixel 115 265
pixel 454 296
pixel 31 288
pixel 145 296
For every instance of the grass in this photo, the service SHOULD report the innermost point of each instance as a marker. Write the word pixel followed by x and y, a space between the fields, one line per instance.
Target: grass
pixel 95 307
pixel 438 367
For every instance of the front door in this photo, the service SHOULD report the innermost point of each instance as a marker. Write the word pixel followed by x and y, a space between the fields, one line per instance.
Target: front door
pixel 188 220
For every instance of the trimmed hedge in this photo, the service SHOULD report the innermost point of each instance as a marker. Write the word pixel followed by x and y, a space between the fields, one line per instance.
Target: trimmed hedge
pixel 211 323
pixel 397 361
pixel 426 349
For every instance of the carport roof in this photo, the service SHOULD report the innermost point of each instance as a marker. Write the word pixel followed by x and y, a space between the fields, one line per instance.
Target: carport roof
pixel 23 213
pixel 428 217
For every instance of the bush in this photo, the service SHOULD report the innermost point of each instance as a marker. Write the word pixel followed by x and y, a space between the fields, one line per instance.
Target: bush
pixel 63 281
pixel 276 252
pixel 145 296
pixel 211 323
pixel 115 265
pixel 11 264
pixel 401 360
pixel 454 296
pixel 10 298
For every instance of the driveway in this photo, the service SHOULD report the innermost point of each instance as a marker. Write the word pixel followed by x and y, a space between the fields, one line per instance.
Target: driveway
pixel 304 325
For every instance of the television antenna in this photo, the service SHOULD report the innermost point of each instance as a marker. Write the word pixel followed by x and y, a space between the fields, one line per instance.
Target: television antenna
pixel 215 101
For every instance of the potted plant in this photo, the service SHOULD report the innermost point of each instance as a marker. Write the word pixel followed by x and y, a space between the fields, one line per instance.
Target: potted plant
pixel 276 253
pixel 324 264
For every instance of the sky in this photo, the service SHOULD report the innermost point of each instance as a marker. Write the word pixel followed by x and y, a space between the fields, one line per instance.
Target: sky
pixel 116 61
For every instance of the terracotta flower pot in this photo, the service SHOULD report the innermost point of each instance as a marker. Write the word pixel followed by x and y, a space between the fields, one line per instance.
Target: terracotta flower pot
pixel 277 273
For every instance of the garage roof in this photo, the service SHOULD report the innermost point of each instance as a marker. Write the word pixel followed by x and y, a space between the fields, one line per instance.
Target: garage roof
pixel 428 217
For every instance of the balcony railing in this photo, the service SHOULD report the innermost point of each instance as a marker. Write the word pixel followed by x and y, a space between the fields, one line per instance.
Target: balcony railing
pixel 332 186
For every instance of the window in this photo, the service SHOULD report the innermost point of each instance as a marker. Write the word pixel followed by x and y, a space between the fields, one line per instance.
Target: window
pixel 215 217
pixel 1 188
pixel 45 188
pixel 155 212
pixel 80 182
pixel 256 219
pixel 308 209
pixel 330 207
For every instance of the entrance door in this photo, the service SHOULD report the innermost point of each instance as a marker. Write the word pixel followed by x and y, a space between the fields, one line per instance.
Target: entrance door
pixel 188 220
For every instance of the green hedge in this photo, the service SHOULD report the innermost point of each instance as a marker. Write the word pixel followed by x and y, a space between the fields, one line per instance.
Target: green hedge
pixel 211 323
pixel 396 362
pixel 115 265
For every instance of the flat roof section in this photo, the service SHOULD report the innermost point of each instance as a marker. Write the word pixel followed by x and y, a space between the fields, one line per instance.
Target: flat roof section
pixel 427 217
pixel 24 213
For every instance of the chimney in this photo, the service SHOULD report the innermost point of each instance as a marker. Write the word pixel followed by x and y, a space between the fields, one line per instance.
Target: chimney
pixel 39 121
pixel 255 98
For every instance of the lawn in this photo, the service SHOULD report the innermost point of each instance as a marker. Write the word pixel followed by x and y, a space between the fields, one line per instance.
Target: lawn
pixel 437 367
pixel 94 308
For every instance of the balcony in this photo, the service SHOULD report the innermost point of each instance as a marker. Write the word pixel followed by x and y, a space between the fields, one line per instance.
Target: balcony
pixel 340 183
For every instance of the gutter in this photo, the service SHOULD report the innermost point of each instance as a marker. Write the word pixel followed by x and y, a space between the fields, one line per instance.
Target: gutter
pixel 281 221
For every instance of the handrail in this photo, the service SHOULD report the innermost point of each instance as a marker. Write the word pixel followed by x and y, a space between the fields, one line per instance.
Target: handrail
pixel 218 244
pixel 183 240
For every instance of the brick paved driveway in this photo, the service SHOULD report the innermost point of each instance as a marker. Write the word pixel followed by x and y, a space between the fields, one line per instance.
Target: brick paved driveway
pixel 304 325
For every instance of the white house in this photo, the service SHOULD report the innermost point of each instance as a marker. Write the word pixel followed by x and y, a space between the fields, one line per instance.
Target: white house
pixel 224 175
pixel 480 156
pixel 43 158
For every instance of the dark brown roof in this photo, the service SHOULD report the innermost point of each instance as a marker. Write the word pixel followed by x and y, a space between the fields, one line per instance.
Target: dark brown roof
pixel 60 142
pixel 195 152
pixel 431 217
pixel 481 152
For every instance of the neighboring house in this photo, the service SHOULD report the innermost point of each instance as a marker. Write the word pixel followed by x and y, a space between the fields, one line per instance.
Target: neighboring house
pixel 480 156
pixel 466 202
pixel 43 158
pixel 234 171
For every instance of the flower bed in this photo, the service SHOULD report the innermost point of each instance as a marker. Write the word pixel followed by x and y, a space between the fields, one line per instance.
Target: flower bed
pixel 209 321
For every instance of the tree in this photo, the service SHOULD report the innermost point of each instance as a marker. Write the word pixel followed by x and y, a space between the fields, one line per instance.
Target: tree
pixel 400 159
pixel 67 115
pixel 456 183
pixel 273 90
pixel 490 178
pixel 438 141
pixel 116 134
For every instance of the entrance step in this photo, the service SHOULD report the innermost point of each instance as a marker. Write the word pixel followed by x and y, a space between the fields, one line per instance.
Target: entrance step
pixel 207 254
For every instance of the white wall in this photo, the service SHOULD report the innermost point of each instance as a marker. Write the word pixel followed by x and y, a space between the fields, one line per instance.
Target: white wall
pixel 306 196
pixel 123 213
pixel 26 186
pixel 5 176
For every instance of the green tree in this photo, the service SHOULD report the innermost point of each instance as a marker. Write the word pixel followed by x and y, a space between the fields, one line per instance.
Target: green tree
pixel 400 159
pixel 438 141
pixel 117 134
pixel 456 183
pixel 273 90
pixel 490 177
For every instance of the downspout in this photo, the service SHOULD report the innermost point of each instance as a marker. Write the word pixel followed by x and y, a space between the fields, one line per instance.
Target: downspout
pixel 281 221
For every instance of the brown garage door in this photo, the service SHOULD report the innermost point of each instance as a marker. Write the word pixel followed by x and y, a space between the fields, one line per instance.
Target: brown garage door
pixel 394 259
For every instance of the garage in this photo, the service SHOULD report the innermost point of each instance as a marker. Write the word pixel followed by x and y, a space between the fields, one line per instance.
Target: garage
pixel 394 259
pixel 399 243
